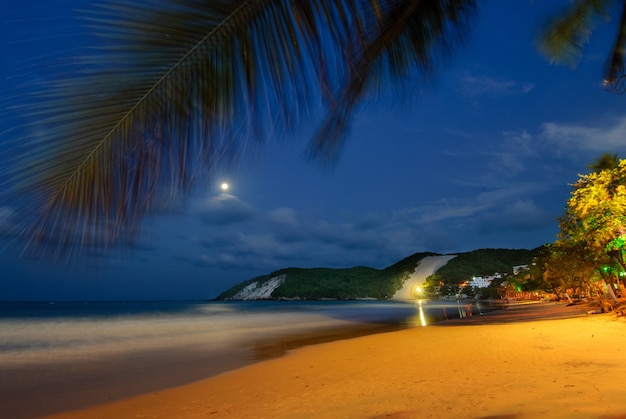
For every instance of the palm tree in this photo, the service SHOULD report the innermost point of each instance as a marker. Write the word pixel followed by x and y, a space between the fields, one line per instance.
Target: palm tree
pixel 177 88
pixel 563 39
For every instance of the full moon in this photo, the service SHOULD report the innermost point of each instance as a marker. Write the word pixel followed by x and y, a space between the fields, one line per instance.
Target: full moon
pixel 224 186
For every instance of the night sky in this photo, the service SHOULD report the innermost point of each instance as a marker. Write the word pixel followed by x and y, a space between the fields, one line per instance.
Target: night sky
pixel 482 157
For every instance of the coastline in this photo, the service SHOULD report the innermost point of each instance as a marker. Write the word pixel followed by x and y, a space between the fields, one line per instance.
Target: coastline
pixel 113 351
pixel 46 388
pixel 522 361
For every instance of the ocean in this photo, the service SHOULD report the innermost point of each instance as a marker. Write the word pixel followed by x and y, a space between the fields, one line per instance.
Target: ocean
pixel 64 355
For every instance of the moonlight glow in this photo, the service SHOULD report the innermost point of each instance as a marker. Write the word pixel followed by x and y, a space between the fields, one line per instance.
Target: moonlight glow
pixel 224 186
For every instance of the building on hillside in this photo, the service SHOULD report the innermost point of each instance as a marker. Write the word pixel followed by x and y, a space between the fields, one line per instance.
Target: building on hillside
pixel 483 282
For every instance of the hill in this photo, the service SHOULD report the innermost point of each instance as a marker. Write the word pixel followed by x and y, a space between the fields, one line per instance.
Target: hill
pixel 364 282
pixel 483 262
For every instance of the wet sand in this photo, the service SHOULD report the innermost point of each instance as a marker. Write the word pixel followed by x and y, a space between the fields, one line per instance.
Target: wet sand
pixel 42 389
pixel 523 361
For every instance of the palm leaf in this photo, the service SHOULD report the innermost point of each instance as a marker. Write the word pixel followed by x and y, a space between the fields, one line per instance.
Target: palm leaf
pixel 407 39
pixel 565 35
pixel 175 89
pixel 615 78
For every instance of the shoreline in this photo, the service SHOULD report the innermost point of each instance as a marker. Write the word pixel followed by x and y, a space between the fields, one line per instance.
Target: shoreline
pixel 39 390
pixel 557 368
pixel 161 381
pixel 523 311
pixel 483 366
pixel 57 383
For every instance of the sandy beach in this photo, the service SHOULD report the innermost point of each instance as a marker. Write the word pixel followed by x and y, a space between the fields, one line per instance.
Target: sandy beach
pixel 538 360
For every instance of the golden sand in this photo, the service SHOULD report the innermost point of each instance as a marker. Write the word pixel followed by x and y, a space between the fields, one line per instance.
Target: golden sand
pixel 563 368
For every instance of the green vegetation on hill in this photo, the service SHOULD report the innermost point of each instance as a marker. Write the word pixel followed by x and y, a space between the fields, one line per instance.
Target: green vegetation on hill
pixel 349 283
pixel 365 282
pixel 482 262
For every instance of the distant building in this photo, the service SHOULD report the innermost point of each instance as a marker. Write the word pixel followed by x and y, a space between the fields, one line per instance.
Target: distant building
pixel 483 282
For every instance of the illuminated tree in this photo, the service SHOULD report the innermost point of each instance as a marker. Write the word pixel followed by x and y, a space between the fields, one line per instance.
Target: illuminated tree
pixel 594 223
pixel 604 162
pixel 569 265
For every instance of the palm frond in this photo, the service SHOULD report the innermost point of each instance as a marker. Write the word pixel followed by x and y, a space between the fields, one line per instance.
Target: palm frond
pixel 409 36
pixel 176 88
pixel 614 73
pixel 564 36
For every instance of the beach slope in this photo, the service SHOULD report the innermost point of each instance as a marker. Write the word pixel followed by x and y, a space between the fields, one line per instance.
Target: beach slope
pixel 557 368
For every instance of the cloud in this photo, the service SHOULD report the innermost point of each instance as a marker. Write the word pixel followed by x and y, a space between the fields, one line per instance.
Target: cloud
pixel 506 154
pixel 287 224
pixel 446 209
pixel 284 237
pixel 261 242
pixel 520 143
pixel 519 215
pixel 572 137
pixel 525 214
pixel 283 217
pixel 511 155
pixel 489 86
pixel 225 209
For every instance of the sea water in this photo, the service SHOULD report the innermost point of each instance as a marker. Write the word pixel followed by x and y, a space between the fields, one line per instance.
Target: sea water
pixel 41 331
pixel 48 350
pixel 44 332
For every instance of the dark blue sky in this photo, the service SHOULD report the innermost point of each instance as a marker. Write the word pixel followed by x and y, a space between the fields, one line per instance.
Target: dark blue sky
pixel 482 157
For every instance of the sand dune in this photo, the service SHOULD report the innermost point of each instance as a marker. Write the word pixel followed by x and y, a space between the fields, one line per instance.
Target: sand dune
pixel 564 368
pixel 425 268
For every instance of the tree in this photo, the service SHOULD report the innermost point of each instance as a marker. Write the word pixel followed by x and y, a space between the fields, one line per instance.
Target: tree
pixel 605 161
pixel 594 223
pixel 564 36
pixel 177 88
pixel 446 289
pixel 569 265
pixel 468 291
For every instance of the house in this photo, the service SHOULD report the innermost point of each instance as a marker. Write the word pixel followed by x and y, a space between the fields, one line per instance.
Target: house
pixel 483 282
